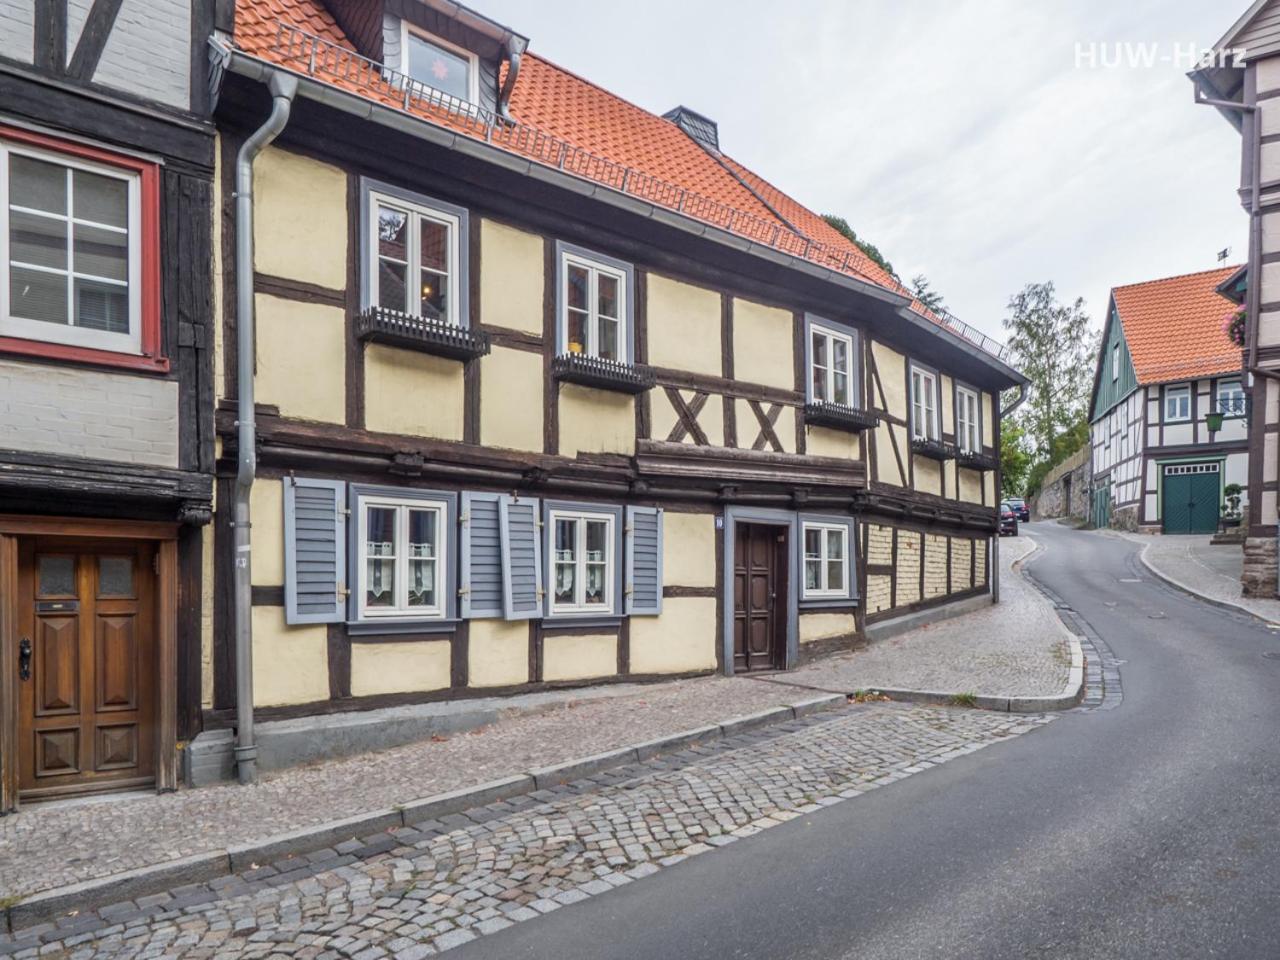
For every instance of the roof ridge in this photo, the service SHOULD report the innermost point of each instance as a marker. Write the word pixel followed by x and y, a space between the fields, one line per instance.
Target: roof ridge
pixel 1177 276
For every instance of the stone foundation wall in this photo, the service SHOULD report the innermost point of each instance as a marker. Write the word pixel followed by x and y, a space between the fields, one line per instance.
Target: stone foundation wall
pixel 1259 577
pixel 1065 491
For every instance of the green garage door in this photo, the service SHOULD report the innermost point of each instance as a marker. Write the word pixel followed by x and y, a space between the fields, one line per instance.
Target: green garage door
pixel 1192 498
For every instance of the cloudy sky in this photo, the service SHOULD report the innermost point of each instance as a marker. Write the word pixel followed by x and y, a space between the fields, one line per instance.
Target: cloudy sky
pixel 960 136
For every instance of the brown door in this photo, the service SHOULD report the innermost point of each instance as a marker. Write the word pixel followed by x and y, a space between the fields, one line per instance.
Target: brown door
pixel 759 596
pixel 86 660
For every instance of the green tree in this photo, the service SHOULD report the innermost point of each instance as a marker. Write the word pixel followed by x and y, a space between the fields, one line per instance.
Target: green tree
pixel 1015 461
pixel 925 294
pixel 842 225
pixel 1054 347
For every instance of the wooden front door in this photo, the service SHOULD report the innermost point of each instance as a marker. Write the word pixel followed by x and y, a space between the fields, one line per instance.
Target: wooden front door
pixel 759 596
pixel 86 666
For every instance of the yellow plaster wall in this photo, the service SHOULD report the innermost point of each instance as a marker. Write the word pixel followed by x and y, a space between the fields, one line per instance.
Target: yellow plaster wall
pixel 511 399
pixel 511 277
pixel 988 425
pixel 682 640
pixel 819 626
pixel 688 549
pixel 579 657
pixel 301 358
pixel 683 326
pixel 300 218
pixel 411 667
pixel 290 664
pixel 970 485
pixel 825 442
pixel 891 367
pixel 763 345
pixel 266 510
pixel 928 475
pixel 887 470
pixel 948 404
pixel 596 421
pixel 412 393
pixel 749 426
pixel 498 653
pixel 989 482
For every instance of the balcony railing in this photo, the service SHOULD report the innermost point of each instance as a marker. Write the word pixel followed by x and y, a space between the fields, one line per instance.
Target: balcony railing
pixel 316 57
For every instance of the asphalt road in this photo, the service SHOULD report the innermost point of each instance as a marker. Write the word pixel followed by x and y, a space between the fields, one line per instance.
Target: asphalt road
pixel 1146 831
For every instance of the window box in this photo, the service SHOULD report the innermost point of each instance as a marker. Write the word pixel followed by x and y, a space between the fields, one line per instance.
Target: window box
pixel 933 449
pixel 380 325
pixel 975 460
pixel 839 417
pixel 589 371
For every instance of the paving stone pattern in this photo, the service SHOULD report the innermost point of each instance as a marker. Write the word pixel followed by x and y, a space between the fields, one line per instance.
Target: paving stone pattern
pixel 416 891
pixel 1016 648
pixel 53 845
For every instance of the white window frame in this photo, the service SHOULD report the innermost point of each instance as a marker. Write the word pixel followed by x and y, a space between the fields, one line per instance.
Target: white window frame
pixel 1115 362
pixel 473 63
pixel 965 426
pixel 70 334
pixel 580 606
pixel 413 276
pixel 401 610
pixel 594 269
pixel 1175 393
pixel 831 335
pixel 932 431
pixel 1218 397
pixel 824 560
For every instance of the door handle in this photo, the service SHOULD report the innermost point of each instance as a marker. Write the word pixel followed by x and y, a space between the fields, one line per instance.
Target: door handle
pixel 24 659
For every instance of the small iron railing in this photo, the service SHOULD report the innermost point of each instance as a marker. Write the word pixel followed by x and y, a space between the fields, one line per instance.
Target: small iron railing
pixel 316 57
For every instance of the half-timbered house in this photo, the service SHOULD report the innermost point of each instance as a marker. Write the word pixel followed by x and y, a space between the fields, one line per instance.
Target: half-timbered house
pixel 106 418
pixel 1168 421
pixel 549 389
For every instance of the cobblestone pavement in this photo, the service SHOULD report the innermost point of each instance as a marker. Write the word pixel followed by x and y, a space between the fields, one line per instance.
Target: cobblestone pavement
pixel 1197 566
pixel 1016 648
pixel 416 891
pixel 51 845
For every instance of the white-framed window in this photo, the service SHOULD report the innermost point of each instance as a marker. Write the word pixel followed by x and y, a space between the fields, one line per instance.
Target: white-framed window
pixel 924 404
pixel 582 562
pixel 414 261
pixel 1177 404
pixel 70 250
pixel 402 546
pixel 831 371
pixel 826 560
pixel 968 431
pixel 593 307
pixel 1230 398
pixel 1115 362
pixel 439 64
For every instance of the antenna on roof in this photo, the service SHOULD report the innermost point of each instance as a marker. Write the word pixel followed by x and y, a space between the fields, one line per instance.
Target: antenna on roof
pixel 1223 254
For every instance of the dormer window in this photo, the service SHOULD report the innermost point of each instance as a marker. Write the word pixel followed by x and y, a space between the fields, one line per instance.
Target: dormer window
pixel 441 65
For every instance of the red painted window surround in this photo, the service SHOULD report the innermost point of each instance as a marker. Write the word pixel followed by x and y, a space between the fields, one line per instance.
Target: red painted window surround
pixel 148 243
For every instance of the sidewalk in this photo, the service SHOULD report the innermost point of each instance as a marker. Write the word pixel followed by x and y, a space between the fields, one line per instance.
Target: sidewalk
pixel 1195 565
pixel 1018 648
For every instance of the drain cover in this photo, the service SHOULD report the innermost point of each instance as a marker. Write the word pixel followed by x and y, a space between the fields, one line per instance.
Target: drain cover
pixel 1272 654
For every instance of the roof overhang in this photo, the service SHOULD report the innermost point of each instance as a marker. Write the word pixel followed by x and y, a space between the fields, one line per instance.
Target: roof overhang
pixel 478 22
pixel 1233 287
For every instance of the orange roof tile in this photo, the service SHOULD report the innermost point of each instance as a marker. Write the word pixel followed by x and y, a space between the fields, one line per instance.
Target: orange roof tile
pixel 612 133
pixel 1175 327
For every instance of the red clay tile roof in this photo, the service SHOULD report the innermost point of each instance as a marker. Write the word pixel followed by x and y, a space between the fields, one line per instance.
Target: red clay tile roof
pixel 609 129
pixel 1174 326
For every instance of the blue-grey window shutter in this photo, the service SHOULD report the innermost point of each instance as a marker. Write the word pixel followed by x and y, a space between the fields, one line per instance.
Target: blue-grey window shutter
pixel 644 561
pixel 520 523
pixel 315 550
pixel 480 590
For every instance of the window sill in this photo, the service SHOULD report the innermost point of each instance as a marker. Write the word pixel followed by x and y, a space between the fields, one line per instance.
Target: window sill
pixel 395 628
pixel 602 620
pixel 377 325
pixel 604 374
pixel 839 417
pixel 933 449
pixel 830 603
pixel 976 461
pixel 44 350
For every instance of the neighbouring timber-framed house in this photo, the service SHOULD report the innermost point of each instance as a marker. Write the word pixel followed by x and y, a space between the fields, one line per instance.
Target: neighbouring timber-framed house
pixel 550 390
pixel 1243 83
pixel 1168 420
pixel 106 396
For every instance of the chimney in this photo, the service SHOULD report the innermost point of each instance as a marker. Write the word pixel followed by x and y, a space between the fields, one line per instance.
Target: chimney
pixel 701 129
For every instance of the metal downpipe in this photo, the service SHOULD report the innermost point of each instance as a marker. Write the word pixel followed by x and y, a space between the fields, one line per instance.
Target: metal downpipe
pixel 1023 390
pixel 283 88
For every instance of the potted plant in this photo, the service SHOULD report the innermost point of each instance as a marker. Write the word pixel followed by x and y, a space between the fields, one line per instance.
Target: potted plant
pixel 1234 327
pixel 1231 512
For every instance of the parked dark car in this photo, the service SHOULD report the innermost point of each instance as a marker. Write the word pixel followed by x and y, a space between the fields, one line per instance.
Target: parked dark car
pixel 1020 509
pixel 1008 520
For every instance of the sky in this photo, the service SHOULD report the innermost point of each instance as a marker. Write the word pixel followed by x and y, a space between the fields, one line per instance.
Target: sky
pixel 973 142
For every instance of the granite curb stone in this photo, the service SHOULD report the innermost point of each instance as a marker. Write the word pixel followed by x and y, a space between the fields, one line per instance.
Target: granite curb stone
pixel 282 850
pixel 1192 591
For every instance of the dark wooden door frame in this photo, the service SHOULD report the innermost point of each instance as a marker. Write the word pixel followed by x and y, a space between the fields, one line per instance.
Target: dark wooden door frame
pixel 728 521
pixel 165 536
